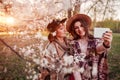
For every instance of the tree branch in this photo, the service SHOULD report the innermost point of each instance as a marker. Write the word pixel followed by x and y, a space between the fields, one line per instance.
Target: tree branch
pixel 11 48
pixel 105 9
pixel 92 6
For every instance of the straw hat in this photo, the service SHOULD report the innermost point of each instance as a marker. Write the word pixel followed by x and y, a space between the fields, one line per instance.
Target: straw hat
pixel 83 17
pixel 55 24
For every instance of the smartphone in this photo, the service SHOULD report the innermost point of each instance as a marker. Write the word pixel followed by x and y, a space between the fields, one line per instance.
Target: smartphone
pixel 98 32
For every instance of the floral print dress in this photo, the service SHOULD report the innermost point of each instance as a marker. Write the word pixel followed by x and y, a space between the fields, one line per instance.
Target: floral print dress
pixel 91 58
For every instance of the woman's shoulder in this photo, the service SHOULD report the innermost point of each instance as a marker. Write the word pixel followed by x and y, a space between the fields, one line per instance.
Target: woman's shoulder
pixel 50 45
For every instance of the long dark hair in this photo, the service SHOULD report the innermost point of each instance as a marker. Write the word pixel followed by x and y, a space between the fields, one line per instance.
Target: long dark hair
pixel 84 25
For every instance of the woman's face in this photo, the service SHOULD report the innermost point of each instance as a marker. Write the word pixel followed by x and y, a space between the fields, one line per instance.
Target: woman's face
pixel 79 29
pixel 61 32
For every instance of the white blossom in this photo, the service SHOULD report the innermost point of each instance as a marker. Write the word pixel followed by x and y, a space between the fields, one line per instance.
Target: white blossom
pixel 25 70
pixel 38 35
pixel 34 72
pixel 27 77
pixel 40 47
pixel 36 60
pixel 28 52
pixel 30 77
pixel 68 60
pixel 29 64
pixel 15 47
pixel 22 50
pixel 5 70
pixel 44 38
pixel 35 77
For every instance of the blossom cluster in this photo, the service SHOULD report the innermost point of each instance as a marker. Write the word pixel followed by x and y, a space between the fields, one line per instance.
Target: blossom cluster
pixel 37 57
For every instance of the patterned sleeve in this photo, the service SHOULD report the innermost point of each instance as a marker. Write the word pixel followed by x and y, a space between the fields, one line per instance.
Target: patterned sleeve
pixel 100 47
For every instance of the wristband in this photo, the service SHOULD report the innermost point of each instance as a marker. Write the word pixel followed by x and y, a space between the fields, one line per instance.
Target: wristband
pixel 105 45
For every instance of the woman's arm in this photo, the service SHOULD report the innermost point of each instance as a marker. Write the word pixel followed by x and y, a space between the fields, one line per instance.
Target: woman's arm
pixel 105 44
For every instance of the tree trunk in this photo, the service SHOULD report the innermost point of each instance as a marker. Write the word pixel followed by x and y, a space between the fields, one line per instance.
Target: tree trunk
pixel 69 13
pixel 77 7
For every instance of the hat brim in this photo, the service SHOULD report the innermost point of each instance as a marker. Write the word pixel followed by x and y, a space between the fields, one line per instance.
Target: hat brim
pixel 84 17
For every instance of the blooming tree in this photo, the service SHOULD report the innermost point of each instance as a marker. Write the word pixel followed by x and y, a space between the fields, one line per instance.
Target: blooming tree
pixel 30 19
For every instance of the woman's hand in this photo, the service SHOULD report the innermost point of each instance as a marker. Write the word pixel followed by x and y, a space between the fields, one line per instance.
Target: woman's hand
pixel 107 37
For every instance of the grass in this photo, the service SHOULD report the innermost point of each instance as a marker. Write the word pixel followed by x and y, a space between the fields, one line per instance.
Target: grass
pixel 113 58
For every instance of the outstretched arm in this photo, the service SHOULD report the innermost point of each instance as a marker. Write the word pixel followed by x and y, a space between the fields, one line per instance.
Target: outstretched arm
pixel 106 43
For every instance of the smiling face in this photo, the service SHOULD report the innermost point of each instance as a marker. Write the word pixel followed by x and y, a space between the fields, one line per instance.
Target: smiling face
pixel 79 29
pixel 60 32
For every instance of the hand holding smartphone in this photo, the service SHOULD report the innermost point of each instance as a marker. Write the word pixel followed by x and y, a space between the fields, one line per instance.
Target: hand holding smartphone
pixel 98 32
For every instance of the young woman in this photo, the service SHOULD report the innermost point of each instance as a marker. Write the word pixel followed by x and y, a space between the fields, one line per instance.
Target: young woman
pixel 91 51
pixel 57 47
